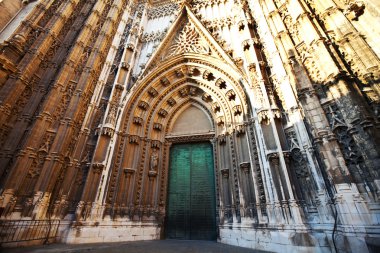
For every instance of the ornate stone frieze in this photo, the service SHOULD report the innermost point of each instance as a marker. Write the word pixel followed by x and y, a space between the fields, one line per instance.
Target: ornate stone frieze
pixel 191 138
pixel 153 36
pixel 163 10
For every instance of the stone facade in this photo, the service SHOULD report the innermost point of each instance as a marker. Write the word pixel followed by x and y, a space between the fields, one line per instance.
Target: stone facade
pixel 93 93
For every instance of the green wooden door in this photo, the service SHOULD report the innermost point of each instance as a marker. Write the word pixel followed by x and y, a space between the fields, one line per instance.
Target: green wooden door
pixel 191 193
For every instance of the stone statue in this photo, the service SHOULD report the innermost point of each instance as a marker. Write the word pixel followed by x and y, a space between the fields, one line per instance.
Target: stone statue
pixel 154 160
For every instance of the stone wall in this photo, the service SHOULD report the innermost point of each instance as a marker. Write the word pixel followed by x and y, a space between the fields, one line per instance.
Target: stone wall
pixel 8 9
pixel 90 91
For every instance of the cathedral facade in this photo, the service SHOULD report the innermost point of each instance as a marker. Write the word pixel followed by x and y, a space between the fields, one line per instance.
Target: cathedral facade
pixel 251 122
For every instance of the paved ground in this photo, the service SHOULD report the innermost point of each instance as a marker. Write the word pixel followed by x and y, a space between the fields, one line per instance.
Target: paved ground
pixel 162 246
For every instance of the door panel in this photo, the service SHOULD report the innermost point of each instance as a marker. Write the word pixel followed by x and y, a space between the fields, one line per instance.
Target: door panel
pixel 191 193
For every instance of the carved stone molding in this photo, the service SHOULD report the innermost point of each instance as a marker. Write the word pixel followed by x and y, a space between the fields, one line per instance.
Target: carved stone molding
pixel 171 101
pixel 240 130
pixel 129 171
pixel 231 95
pixel 162 113
pixel 184 91
pixel 125 65
pixel 97 168
pixel 220 83
pixel 245 167
pixel 192 138
pixel 354 9
pixel 108 130
pixel 134 139
pixel 157 126
pixel 225 173
pixel 220 121
pixel 152 173
pixel 152 92
pixel 207 75
pixel 216 107
pixel 222 139
pixel 164 81
pixel 143 105
pixel 237 109
pixel 155 144
pixel 137 121
pixel 206 97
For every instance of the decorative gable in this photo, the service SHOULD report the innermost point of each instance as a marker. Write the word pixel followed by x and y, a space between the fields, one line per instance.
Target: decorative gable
pixel 188 40
pixel 187 35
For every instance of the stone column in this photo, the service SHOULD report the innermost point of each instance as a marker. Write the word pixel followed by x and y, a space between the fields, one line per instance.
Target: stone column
pixel 81 97
pixel 227 204
pixel 31 62
pixel 350 41
pixel 27 32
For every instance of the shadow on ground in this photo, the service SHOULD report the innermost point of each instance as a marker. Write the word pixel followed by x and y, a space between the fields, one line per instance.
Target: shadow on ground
pixel 160 246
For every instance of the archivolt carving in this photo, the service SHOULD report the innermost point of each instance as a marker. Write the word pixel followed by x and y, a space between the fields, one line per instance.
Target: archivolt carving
pixel 166 91
pixel 156 101
pixel 199 61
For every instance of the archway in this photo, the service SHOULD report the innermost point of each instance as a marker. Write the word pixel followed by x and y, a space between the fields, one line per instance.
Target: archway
pixel 159 113
pixel 191 198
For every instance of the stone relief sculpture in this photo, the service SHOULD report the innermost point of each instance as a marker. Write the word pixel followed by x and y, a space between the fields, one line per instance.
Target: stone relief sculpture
pixel 90 92
pixel 187 41
pixel 154 159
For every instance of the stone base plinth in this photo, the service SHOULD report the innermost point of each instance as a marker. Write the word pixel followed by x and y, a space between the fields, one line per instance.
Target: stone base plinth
pixel 111 231
pixel 267 239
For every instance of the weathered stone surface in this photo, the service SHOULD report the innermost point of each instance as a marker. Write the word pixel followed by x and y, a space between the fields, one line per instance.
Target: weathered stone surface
pixel 94 95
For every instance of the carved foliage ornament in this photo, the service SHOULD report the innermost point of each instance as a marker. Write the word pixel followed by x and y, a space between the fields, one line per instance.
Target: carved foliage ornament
pixel 187 41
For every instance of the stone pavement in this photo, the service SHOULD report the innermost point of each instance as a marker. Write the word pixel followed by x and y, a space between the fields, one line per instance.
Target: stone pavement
pixel 158 246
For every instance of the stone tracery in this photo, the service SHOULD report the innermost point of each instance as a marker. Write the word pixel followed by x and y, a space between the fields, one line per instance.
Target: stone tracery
pixel 282 90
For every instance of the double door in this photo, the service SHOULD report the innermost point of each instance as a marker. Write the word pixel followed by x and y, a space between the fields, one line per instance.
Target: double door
pixel 191 206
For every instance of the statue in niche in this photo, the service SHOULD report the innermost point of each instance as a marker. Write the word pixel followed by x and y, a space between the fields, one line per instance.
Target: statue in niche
pixel 154 160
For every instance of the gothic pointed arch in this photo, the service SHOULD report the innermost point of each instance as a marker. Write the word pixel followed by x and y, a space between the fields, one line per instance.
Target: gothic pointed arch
pixel 150 111
pixel 192 118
